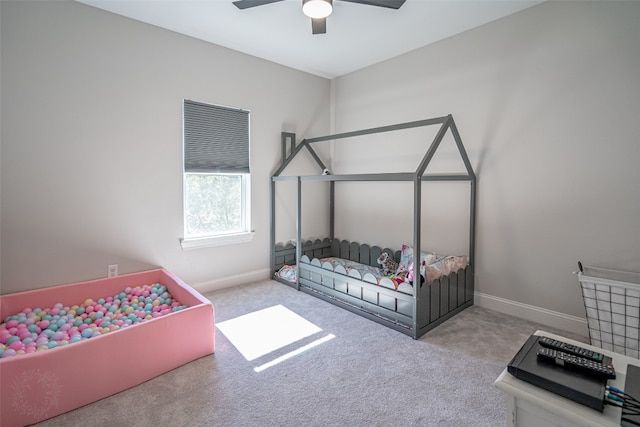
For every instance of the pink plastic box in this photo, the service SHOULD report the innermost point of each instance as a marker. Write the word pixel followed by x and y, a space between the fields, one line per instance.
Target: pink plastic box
pixel 44 384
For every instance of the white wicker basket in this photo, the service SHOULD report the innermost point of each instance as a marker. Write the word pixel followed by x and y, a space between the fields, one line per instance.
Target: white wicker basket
pixel 612 304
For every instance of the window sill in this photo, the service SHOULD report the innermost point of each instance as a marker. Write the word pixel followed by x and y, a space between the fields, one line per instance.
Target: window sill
pixel 227 239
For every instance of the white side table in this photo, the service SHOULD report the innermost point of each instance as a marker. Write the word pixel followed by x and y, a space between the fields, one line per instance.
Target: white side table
pixel 529 405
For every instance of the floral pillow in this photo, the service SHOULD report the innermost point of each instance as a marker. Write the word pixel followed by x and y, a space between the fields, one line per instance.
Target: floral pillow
pixel 407 257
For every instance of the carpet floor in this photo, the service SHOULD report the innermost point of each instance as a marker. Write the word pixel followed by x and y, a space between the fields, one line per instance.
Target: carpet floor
pixel 336 369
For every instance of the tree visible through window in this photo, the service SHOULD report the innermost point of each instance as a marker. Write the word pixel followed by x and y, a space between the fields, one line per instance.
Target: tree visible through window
pixel 216 170
pixel 213 204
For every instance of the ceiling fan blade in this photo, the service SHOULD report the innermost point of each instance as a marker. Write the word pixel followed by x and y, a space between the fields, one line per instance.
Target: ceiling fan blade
pixel 245 4
pixel 391 4
pixel 319 25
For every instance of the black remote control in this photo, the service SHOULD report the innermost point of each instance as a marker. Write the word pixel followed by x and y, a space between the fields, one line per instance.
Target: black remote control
pixel 571 349
pixel 577 363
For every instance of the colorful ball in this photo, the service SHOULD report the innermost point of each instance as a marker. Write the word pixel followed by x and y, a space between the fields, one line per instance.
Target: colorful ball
pixel 8 353
pixel 16 345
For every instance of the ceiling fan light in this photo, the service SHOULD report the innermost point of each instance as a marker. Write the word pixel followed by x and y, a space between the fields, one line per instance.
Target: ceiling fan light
pixel 317 9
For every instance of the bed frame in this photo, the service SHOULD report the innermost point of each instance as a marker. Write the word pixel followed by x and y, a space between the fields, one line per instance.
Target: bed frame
pixel 413 313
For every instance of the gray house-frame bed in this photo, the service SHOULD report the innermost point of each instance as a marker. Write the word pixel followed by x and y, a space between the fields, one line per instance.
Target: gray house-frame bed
pixel 410 309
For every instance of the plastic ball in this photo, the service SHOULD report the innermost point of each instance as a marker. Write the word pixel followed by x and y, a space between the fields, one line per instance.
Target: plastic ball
pixel 11 340
pixel 16 345
pixel 43 324
pixel 87 333
pixel 8 353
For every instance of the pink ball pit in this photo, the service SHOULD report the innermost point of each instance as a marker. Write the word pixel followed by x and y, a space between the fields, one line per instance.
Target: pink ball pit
pixel 44 384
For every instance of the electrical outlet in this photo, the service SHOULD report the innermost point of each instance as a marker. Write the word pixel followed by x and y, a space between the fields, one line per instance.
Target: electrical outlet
pixel 112 270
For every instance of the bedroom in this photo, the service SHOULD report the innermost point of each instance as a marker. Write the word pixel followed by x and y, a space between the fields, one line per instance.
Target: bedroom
pixel 545 100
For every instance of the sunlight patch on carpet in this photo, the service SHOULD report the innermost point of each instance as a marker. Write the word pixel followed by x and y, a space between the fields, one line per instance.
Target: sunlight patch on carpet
pixel 261 332
pixel 293 353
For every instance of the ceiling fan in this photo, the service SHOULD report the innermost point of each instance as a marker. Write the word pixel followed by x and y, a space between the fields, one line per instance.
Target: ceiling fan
pixel 318 10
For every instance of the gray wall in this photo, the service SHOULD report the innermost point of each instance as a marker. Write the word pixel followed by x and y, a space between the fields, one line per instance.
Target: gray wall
pixel 92 144
pixel 547 102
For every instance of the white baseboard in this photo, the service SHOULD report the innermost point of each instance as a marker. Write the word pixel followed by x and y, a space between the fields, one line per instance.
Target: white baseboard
pixel 227 282
pixel 532 313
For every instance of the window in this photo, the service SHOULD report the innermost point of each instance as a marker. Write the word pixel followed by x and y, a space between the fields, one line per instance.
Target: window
pixel 216 175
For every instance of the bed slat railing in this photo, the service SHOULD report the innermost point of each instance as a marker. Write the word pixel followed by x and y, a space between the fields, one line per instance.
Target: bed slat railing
pixel 363 292
pixel 285 254
pixel 362 253
pixel 438 300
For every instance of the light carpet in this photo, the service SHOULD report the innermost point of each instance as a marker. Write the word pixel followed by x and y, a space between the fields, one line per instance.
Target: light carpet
pixel 342 370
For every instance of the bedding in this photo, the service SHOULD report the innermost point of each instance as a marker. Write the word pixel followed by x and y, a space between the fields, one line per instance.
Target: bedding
pixel 432 267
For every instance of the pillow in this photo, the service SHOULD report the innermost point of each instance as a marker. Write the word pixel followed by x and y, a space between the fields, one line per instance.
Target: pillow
pixel 406 259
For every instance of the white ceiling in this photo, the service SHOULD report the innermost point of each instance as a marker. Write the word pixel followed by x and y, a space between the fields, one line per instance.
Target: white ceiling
pixel 357 35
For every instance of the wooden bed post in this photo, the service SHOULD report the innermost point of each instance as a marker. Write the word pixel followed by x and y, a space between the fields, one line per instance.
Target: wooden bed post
pixel 417 205
pixel 272 252
pixel 298 231
pixel 332 209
